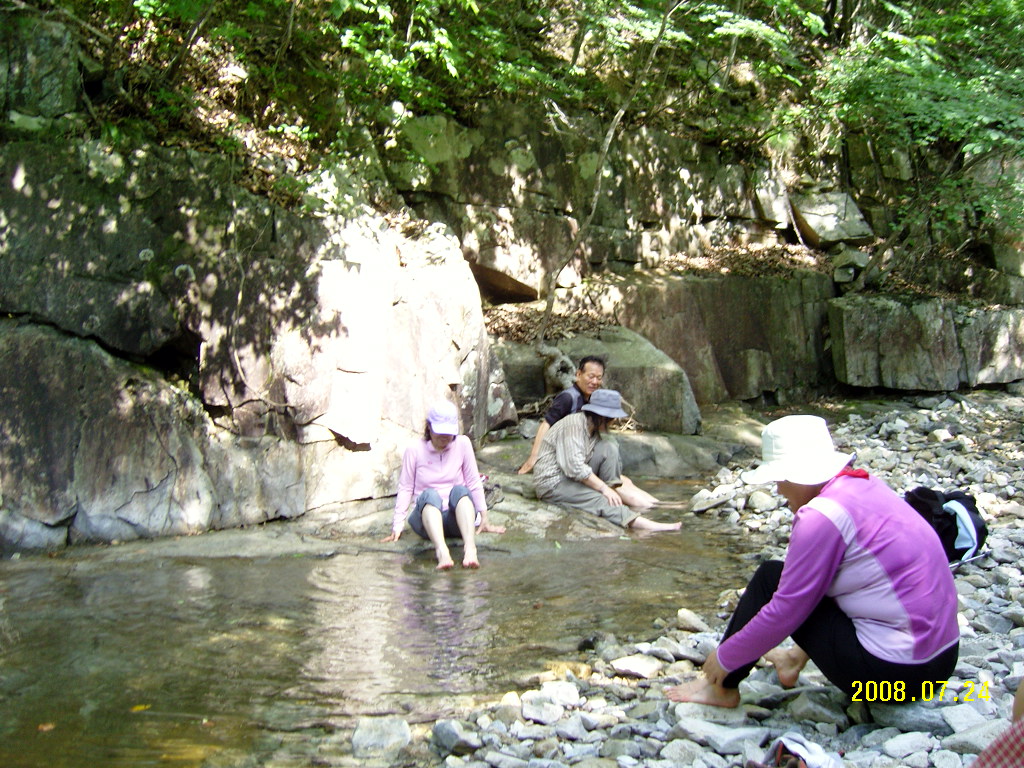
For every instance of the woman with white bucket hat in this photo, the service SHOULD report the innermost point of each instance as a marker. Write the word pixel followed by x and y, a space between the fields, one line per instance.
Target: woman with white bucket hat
pixel 865 590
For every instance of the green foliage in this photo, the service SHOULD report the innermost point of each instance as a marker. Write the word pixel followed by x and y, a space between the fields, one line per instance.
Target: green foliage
pixel 935 80
pixel 179 10
pixel 945 86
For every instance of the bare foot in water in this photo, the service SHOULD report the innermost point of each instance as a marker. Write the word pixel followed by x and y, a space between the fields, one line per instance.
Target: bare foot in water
pixel 788 663
pixel 444 559
pixel 700 691
pixel 470 558
pixel 646 524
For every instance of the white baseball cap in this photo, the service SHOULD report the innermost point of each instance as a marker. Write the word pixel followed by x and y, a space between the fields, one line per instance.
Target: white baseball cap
pixel 443 418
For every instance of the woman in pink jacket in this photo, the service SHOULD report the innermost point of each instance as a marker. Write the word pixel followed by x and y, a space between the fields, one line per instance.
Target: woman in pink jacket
pixel 865 590
pixel 440 472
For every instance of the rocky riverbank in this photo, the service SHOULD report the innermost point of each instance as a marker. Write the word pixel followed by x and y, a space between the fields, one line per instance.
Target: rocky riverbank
pixel 606 707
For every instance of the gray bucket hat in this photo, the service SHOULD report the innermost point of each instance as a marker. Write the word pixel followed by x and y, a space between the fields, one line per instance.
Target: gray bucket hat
pixel 607 403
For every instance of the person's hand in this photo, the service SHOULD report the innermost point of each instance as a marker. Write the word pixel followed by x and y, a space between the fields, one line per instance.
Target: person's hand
pixel 528 465
pixel 490 528
pixel 391 537
pixel 613 496
pixel 713 671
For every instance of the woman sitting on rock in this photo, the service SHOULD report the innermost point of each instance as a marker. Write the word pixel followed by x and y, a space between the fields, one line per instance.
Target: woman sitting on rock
pixel 865 590
pixel 440 471
pixel 576 467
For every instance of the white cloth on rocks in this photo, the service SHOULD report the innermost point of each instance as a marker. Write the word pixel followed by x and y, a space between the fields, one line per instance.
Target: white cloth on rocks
pixel 811 753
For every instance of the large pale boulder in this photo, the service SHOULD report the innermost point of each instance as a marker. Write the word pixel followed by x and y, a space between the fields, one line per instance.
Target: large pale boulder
pixel 827 218
pixel 308 347
pixel 99 449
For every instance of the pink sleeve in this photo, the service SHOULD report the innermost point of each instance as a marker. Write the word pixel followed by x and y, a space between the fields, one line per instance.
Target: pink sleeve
pixel 471 474
pixel 816 549
pixel 406 485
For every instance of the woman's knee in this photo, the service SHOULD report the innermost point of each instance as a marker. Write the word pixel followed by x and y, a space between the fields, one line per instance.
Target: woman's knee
pixel 459 495
pixel 429 497
pixel 431 515
pixel 768 574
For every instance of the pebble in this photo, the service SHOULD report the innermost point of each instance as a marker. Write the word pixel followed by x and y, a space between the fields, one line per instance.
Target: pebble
pixel 617 716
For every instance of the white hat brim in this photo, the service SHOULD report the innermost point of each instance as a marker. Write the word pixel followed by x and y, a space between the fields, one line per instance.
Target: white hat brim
pixel 820 470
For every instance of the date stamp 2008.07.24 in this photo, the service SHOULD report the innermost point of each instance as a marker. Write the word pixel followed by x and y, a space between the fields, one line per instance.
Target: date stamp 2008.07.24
pixel 886 691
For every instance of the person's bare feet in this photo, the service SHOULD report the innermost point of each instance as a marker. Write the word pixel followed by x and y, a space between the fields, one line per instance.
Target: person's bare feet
pixel 788 663
pixel 444 560
pixel 470 558
pixel 700 691
pixel 646 524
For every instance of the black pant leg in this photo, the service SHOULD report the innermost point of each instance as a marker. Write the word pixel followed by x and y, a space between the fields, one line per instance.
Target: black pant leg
pixel 759 592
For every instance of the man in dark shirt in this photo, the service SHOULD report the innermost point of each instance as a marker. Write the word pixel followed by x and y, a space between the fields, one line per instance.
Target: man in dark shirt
pixel 589 377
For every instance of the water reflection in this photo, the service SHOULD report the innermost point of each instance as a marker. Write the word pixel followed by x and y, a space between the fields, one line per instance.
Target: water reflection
pixel 169 660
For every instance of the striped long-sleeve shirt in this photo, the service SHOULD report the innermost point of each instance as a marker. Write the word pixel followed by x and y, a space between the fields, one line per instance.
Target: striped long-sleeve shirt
pixel 564 452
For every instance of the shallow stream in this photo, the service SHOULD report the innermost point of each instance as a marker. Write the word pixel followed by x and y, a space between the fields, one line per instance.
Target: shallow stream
pixel 146 654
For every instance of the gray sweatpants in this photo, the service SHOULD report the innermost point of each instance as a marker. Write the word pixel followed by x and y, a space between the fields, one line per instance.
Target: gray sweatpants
pixel 606 464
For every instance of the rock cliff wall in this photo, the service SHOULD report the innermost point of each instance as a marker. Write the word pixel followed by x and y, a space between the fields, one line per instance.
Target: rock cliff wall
pixel 179 355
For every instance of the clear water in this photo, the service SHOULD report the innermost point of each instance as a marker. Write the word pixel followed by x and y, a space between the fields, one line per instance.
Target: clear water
pixel 174 660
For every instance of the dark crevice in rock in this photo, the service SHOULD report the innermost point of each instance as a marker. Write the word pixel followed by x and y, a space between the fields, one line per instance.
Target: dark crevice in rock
pixel 350 445
pixel 178 359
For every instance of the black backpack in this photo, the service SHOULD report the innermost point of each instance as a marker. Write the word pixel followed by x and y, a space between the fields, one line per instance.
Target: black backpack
pixel 955 517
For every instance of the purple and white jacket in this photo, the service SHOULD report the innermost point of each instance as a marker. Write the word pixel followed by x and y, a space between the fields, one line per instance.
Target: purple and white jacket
pixel 861 544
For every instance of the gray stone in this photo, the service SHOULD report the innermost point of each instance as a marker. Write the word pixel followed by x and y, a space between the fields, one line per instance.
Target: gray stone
pixel 638 665
pixel 761 501
pixel 455 737
pixel 721 715
pixel 616 748
pixel 502 760
pixel 542 763
pixel 992 623
pixel 879 736
pixel 572 728
pixel 539 707
pixel 914 716
pixel 974 740
pixel 907 743
pixel 818 707
pixel 943 758
pixel 376 736
pixel 689 621
pixel 529 731
pixel 561 692
pixel 681 751
pixel 724 739
pixel 916 760
pixel 962 717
